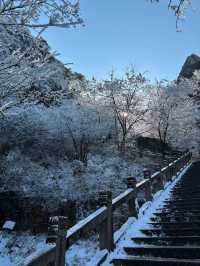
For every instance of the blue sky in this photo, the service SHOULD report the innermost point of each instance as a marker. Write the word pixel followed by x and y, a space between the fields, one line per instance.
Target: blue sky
pixel 118 33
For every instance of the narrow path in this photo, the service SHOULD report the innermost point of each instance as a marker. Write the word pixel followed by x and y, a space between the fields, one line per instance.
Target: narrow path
pixel 169 232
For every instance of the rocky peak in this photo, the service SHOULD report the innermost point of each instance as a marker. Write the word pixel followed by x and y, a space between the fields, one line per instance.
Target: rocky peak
pixel 191 64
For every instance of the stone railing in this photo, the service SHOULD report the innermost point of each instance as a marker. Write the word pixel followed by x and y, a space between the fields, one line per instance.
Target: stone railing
pixel 102 219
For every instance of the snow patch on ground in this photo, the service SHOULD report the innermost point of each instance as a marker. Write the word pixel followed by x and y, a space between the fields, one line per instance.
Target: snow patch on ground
pixel 81 253
pixel 14 248
pixel 9 225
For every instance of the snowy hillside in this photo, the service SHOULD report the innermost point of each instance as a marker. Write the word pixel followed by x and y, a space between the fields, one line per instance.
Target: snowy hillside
pixel 47 125
pixel 29 70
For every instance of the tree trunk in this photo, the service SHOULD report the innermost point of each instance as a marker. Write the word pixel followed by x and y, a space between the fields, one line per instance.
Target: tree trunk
pixel 123 144
pixel 116 133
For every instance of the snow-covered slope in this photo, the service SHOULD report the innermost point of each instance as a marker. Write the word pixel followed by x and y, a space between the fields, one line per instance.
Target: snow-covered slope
pixel 29 71
pixel 38 134
pixel 36 141
pixel 47 126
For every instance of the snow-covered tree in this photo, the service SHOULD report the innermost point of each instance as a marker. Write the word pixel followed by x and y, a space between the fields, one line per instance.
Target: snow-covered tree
pixel 172 116
pixel 126 98
pixel 162 113
pixel 23 55
pixel 196 84
pixel 191 88
pixel 20 54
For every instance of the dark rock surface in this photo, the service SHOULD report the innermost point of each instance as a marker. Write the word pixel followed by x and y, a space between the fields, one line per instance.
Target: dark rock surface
pixel 191 64
pixel 152 144
pixel 31 213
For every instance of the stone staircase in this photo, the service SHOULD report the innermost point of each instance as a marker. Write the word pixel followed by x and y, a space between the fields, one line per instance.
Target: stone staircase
pixel 173 235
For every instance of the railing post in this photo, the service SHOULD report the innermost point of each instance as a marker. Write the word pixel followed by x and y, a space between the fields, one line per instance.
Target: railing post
pixel 148 185
pixel 106 234
pixel 147 174
pixel 175 169
pixel 162 175
pixel 160 180
pixel 61 242
pixel 179 165
pixel 132 210
pixel 171 172
pixel 58 230
pixel 167 174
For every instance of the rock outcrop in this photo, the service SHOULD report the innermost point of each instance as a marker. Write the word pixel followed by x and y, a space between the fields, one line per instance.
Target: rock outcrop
pixel 191 64
pixel 30 71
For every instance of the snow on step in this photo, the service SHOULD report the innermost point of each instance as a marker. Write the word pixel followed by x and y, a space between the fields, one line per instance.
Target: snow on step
pixel 9 225
pixel 144 218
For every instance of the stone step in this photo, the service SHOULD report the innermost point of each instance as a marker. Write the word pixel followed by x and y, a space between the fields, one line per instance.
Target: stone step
pixel 172 231
pixel 188 190
pixel 181 201
pixel 174 225
pixel 185 185
pixel 180 209
pixel 150 261
pixel 177 252
pixel 177 214
pixel 185 195
pixel 173 240
pixel 182 194
pixel 180 204
pixel 170 219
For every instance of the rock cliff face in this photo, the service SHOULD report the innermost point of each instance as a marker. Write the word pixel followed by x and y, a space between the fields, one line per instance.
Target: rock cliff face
pixel 191 64
pixel 29 70
pixel 189 80
pixel 38 86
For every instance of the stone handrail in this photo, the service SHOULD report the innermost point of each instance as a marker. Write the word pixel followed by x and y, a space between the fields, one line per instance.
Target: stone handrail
pixel 102 219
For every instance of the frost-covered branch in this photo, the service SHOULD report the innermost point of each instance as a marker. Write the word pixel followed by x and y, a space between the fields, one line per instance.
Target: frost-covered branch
pixel 179 7
pixel 4 108
pixel 126 98
pixel 172 115
pixel 22 55
pixel 40 14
